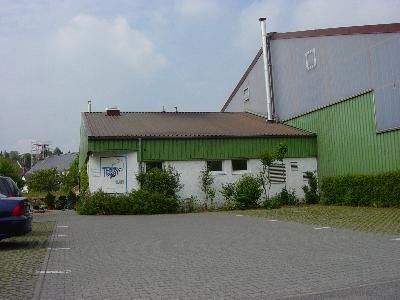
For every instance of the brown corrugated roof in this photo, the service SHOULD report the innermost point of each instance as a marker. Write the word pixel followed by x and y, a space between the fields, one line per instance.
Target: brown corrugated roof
pixel 365 29
pixel 183 124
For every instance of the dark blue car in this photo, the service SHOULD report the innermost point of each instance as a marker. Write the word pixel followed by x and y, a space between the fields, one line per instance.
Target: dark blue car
pixel 15 213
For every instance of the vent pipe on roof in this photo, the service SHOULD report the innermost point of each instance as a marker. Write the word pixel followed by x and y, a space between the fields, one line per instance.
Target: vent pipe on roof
pixel 89 106
pixel 266 67
pixel 113 111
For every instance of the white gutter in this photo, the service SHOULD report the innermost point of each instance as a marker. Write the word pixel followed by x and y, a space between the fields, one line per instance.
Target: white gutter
pixel 266 72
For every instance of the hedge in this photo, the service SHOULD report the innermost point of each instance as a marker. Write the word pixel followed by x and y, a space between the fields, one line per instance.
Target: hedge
pixel 379 190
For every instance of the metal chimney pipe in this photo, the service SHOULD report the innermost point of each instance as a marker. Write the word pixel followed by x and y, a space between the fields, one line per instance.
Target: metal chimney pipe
pixel 89 104
pixel 266 72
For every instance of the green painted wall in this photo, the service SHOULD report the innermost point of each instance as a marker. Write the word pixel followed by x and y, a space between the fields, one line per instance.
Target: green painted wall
pixel 112 145
pixel 83 146
pixel 224 148
pixel 347 141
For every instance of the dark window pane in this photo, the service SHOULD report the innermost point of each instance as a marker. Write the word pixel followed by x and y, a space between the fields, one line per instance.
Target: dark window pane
pixel 214 165
pixel 153 164
pixel 239 164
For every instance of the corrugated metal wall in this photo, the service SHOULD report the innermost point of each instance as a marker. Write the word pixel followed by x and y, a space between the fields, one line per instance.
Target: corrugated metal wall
pixel 112 145
pixel 347 141
pixel 224 148
pixel 346 65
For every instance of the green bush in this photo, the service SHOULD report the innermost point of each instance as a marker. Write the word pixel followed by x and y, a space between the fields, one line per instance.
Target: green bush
pixel 248 192
pixel 160 181
pixel 378 190
pixel 60 202
pixel 189 205
pixel 281 199
pixel 50 199
pixel 288 197
pixel 273 203
pixel 136 202
pixel 228 191
pixel 83 180
pixel 311 195
pixel 243 194
pixel 46 180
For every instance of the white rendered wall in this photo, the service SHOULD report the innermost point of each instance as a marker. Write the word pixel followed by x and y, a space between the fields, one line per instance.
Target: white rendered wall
pixel 123 182
pixel 190 172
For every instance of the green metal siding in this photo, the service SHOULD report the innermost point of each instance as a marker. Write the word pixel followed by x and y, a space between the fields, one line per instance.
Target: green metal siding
pixel 83 147
pixel 224 148
pixel 112 145
pixel 347 141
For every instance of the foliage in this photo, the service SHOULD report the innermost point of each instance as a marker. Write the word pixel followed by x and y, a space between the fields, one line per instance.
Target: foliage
pixel 267 160
pixel 137 202
pixel 8 169
pixel 57 151
pixel 247 192
pixel 47 180
pixel 206 182
pixel 377 190
pixel 71 179
pixel 83 180
pixel 228 191
pixel 288 197
pixel 60 202
pixel 189 205
pixel 284 198
pixel 273 203
pixel 161 181
pixel 50 200
pixel 311 195
pixel 243 194
pixel 72 198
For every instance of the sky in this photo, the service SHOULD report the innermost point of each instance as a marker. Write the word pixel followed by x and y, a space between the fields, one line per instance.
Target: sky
pixel 139 55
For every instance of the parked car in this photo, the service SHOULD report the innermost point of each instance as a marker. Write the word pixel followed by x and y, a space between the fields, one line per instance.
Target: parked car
pixel 8 188
pixel 15 213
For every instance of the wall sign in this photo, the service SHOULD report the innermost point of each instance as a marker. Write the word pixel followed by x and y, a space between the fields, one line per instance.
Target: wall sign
pixel 114 174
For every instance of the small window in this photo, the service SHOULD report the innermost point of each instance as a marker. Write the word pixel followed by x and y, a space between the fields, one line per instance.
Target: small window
pixel 246 94
pixel 153 164
pixel 214 165
pixel 239 165
pixel 294 166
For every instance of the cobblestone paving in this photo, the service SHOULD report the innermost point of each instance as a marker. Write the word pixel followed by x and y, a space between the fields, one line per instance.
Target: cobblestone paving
pixel 212 256
pixel 20 258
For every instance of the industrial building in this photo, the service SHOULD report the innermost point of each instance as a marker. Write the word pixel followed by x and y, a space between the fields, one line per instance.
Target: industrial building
pixel 332 95
pixel 343 84
pixel 118 145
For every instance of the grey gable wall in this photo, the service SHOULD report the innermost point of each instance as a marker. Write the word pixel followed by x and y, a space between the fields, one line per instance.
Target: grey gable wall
pixel 256 83
pixel 346 65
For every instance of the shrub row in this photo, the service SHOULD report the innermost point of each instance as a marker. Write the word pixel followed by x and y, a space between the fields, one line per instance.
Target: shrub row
pixel 137 202
pixel 380 190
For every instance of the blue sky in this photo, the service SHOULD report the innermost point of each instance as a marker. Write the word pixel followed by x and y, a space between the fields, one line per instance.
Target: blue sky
pixel 138 55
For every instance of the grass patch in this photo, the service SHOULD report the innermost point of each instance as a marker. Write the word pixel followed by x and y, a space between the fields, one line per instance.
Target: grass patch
pixel 379 220
pixel 21 257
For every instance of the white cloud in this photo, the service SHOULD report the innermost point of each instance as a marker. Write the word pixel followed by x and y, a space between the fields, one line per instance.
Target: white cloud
pixel 195 8
pixel 286 15
pixel 96 47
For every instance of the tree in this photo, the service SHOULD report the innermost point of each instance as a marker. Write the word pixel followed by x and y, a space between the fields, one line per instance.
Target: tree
pixel 57 151
pixel 206 182
pixel 71 179
pixel 8 169
pixel 267 160
pixel 47 180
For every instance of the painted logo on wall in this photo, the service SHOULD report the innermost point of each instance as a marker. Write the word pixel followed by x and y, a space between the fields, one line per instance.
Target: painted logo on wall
pixel 113 172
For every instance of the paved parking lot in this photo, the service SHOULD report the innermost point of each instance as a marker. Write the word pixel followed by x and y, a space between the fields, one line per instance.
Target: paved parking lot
pixel 213 256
